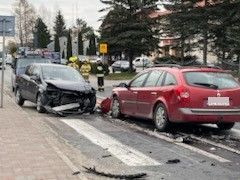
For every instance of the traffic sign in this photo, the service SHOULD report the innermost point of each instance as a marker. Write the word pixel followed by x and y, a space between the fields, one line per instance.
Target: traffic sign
pixel 7 24
pixel 103 48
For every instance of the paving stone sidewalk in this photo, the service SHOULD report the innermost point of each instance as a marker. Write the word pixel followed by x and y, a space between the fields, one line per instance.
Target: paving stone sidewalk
pixel 24 151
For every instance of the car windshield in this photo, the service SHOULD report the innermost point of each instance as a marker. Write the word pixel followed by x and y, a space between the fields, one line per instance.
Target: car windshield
pixel 61 73
pixel 23 63
pixel 213 80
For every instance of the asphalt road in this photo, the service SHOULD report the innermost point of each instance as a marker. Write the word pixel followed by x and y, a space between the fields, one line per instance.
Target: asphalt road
pixel 131 145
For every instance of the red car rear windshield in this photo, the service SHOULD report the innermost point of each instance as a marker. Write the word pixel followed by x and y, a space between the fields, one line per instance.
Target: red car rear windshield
pixel 213 80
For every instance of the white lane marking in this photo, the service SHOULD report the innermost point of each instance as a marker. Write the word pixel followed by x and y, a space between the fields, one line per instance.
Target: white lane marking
pixel 186 146
pixel 237 131
pixel 126 154
pixel 216 144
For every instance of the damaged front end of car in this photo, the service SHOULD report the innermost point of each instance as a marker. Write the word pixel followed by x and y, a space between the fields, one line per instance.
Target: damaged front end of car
pixel 63 101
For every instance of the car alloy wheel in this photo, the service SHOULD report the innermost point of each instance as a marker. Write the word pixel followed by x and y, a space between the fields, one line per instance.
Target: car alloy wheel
pixel 40 107
pixel 161 118
pixel 116 113
pixel 18 98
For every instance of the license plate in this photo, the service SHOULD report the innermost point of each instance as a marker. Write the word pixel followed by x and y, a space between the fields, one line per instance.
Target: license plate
pixel 218 101
pixel 66 107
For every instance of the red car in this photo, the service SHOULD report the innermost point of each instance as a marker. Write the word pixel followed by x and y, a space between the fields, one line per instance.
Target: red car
pixel 180 94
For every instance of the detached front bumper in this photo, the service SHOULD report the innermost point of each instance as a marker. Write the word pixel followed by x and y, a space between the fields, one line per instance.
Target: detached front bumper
pixel 209 115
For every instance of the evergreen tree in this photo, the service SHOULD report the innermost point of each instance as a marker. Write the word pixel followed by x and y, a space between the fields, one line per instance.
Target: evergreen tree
pixel 42 34
pixel 80 43
pixel 92 45
pixel 182 24
pixel 63 55
pixel 226 29
pixel 128 27
pixel 69 45
pixel 56 43
pixel 59 27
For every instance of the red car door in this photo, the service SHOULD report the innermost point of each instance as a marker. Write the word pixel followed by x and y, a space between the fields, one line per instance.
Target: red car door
pixel 129 97
pixel 149 93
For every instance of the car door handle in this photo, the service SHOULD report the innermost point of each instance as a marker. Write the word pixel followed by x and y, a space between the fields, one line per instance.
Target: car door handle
pixel 153 93
pixel 135 92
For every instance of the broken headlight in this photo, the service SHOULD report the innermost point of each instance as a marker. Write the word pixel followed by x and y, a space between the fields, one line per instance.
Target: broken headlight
pixel 52 92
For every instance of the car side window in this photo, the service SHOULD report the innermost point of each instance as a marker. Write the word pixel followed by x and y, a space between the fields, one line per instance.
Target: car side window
pixel 138 82
pixel 169 80
pixel 153 78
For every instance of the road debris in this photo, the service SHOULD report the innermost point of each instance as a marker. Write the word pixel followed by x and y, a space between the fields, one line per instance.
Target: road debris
pixel 76 173
pixel 213 149
pixel 173 161
pixel 213 164
pixel 106 156
pixel 116 176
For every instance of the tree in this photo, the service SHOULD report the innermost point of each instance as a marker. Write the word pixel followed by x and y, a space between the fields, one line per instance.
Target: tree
pixel 59 27
pixel 182 23
pixel 84 33
pixel 56 43
pixel 85 30
pixel 42 34
pixel 80 43
pixel 92 45
pixel 63 55
pixel 60 30
pixel 12 47
pixel 129 28
pixel 25 18
pixel 69 45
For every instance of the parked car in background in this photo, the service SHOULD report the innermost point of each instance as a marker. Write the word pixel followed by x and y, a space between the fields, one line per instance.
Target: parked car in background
pixel 142 62
pixel 55 88
pixel 180 94
pixel 121 66
pixel 8 60
pixel 19 66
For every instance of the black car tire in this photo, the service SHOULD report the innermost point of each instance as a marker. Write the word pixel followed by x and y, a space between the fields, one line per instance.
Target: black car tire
pixel 160 117
pixel 115 108
pixel 225 126
pixel 93 104
pixel 113 70
pixel 40 108
pixel 18 97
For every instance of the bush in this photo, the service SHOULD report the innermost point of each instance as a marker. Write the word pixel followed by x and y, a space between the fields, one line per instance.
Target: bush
pixel 94 68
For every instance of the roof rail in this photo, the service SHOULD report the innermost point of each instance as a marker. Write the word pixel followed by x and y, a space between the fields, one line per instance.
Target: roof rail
pixel 204 66
pixel 167 65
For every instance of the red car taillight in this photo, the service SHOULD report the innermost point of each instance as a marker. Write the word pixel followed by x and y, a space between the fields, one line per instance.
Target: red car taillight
pixel 183 94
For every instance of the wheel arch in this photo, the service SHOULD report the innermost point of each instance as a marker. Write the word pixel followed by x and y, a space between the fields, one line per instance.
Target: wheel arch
pixel 160 101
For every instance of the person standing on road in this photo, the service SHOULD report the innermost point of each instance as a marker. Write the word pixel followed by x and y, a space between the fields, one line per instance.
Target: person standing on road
pixel 73 63
pixel 100 75
pixel 85 69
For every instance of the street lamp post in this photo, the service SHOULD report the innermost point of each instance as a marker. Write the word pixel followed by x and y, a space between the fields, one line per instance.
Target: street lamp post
pixel 3 60
pixel 7 28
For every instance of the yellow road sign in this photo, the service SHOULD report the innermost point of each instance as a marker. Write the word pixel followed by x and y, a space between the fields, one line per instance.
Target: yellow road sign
pixel 103 48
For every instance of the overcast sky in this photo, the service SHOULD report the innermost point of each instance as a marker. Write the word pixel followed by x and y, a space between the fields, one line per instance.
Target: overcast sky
pixel 84 9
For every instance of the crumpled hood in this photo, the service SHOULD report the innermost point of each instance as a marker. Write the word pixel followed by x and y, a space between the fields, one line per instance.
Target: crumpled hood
pixel 69 85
